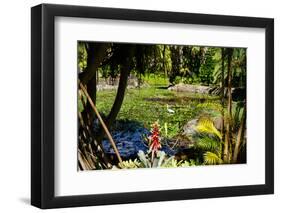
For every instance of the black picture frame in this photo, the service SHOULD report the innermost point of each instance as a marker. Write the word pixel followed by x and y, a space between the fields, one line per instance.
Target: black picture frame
pixel 43 102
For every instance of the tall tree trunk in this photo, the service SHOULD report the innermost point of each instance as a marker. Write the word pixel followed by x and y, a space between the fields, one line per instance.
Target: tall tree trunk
pixel 98 78
pixel 240 136
pixel 222 94
pixel 88 113
pixel 222 86
pixel 96 54
pixel 164 65
pixel 175 57
pixel 227 144
pixel 125 71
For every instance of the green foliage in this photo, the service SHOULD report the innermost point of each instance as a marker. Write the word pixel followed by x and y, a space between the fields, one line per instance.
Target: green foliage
pixel 207 144
pixel 151 102
pixel 217 71
pixel 82 56
pixel 187 64
pixel 176 58
pixel 104 71
pixel 237 112
pixel 129 164
pixel 205 125
pixel 209 141
pixel 165 62
pixel 238 65
pixel 210 105
pixel 206 69
pixel 173 163
pixel 178 79
pixel 156 79
pixel 158 66
pixel 161 160
pixel 211 158
pixel 81 99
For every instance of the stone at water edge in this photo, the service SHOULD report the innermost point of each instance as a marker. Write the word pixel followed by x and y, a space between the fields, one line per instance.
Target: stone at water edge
pixel 190 88
pixel 189 129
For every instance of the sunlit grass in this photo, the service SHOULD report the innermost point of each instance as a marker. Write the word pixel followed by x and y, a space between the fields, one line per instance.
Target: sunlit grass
pixel 149 104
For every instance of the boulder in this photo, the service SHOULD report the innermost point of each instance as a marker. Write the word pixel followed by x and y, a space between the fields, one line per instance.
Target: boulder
pixel 218 122
pixel 189 129
pixel 190 88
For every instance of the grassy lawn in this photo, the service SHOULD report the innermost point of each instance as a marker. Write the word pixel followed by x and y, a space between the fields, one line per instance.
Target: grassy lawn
pixel 149 104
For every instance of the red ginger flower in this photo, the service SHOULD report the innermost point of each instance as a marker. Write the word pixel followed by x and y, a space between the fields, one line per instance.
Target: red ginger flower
pixel 155 144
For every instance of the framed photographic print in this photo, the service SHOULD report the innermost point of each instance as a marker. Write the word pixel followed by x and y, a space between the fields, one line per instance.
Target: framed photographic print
pixel 139 106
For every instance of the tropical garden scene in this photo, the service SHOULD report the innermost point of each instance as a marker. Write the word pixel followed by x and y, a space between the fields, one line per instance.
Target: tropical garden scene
pixel 160 106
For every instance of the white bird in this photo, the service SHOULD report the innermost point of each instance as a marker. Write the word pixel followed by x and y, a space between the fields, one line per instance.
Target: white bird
pixel 170 110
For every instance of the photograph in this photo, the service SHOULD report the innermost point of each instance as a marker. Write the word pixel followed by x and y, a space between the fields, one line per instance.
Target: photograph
pixel 133 105
pixel 160 105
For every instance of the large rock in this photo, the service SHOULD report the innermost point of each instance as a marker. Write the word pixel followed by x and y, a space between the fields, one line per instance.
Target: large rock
pixel 218 122
pixel 190 88
pixel 189 129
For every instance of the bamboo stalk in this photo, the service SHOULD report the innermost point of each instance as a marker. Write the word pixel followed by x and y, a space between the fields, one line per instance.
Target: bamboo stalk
pixel 102 122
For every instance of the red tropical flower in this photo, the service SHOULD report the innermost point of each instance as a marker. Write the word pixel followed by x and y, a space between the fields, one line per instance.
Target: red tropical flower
pixel 155 144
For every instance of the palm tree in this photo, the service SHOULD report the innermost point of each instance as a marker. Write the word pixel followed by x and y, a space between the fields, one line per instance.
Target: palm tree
pixel 227 143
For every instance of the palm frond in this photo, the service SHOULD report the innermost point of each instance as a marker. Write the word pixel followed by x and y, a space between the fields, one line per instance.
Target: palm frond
pixel 207 144
pixel 211 158
pixel 205 125
pixel 217 73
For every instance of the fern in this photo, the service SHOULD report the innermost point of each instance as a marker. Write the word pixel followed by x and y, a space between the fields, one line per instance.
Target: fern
pixel 211 158
pixel 205 125
pixel 207 144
